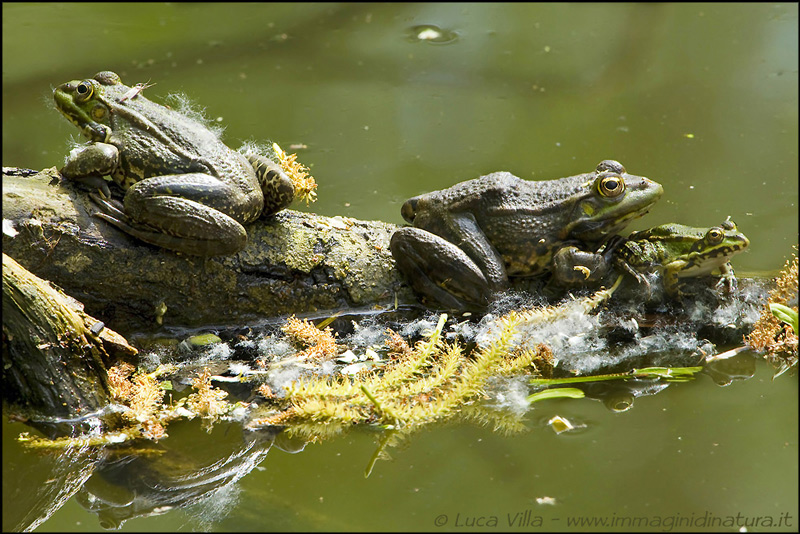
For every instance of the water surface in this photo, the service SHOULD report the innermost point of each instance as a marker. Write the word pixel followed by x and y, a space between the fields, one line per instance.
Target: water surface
pixel 699 97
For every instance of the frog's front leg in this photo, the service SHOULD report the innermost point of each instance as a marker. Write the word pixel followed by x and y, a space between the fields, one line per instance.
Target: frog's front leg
pixel 575 267
pixel 728 279
pixel 442 272
pixel 185 213
pixel 89 163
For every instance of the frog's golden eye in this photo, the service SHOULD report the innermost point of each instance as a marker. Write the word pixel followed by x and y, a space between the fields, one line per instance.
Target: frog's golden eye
pixel 99 112
pixel 715 235
pixel 84 91
pixel 610 185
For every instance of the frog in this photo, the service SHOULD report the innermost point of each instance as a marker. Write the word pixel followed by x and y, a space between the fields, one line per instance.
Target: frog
pixel 465 241
pixel 184 189
pixel 677 251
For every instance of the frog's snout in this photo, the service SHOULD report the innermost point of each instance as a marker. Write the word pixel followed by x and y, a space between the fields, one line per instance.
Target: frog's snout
pixel 409 209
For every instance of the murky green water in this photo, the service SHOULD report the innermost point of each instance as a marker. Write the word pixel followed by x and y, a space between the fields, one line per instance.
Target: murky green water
pixel 701 98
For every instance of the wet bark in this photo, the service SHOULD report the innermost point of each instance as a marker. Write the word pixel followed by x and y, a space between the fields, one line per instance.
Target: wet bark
pixel 294 263
pixel 54 354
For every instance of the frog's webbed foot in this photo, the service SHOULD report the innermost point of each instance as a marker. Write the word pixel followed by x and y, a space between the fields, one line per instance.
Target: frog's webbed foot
pixel 276 186
pixel 88 164
pixel 93 182
pixel 439 271
pixel 640 277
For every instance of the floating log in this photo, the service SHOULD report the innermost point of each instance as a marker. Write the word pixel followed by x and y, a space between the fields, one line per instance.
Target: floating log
pixel 294 263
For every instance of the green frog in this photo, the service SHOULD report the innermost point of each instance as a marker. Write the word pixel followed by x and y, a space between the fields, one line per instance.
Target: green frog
pixel 678 251
pixel 467 240
pixel 184 189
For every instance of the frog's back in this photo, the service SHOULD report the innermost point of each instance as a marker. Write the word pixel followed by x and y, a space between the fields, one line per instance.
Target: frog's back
pixel 502 192
pixel 185 144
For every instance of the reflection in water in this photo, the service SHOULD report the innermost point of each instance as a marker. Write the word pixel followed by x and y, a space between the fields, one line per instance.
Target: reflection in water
pixel 725 372
pixel 66 475
pixel 159 479
pixel 619 396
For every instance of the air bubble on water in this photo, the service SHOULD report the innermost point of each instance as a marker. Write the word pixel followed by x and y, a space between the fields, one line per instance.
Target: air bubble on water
pixel 430 33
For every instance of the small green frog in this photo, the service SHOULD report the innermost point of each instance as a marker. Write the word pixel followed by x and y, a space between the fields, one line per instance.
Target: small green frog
pixel 185 189
pixel 679 251
pixel 467 240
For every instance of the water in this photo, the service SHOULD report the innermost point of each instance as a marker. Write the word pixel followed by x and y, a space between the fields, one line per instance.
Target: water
pixel 699 97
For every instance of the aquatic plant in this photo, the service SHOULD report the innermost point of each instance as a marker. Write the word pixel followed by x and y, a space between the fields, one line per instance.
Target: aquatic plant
pixel 775 332
pixel 305 188
pixel 416 385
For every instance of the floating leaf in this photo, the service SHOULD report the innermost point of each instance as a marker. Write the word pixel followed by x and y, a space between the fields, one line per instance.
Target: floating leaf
pixel 570 393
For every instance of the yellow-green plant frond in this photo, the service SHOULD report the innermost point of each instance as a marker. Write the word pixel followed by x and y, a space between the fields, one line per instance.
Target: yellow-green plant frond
pixel 443 369
pixel 305 187
pixel 403 369
pixel 534 360
pixel 146 396
pixel 313 432
pixel 315 386
pixel 207 401
pixel 320 409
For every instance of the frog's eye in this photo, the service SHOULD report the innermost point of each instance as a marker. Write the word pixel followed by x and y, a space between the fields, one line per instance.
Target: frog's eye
pixel 715 235
pixel 610 185
pixel 99 112
pixel 84 91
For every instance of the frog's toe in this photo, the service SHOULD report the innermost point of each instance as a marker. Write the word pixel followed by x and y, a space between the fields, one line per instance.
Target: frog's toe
pixel 108 206
pixel 726 284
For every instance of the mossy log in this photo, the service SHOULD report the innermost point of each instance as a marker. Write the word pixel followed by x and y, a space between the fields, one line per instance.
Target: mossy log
pixel 294 263
pixel 54 354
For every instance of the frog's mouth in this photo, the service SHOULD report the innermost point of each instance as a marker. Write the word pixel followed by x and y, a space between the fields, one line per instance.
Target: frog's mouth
pixel 92 130
pixel 600 225
pixel 599 228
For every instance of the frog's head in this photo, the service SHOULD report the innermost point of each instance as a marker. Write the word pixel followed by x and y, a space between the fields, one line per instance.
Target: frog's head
pixel 409 209
pixel 610 200
pixel 716 246
pixel 85 104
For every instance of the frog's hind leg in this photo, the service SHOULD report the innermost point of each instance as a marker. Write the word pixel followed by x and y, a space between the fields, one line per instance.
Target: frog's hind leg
pixel 439 271
pixel 276 186
pixel 227 236
pixel 157 211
